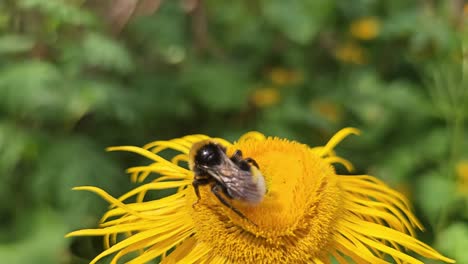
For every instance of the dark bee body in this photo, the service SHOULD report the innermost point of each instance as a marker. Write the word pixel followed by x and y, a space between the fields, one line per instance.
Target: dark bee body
pixel 235 177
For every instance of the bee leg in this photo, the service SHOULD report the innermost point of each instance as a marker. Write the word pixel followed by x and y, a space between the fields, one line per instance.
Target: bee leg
pixel 196 184
pixel 239 161
pixel 216 191
pixel 237 156
pixel 252 161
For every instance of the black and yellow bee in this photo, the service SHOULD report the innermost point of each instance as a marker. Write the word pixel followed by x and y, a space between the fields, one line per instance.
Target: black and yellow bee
pixel 234 177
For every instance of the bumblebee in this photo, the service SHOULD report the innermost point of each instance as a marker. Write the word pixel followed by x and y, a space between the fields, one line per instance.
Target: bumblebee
pixel 234 177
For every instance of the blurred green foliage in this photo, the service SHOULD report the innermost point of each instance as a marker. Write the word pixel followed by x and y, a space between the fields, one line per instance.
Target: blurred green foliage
pixel 77 76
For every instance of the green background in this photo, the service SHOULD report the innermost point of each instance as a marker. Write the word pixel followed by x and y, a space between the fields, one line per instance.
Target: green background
pixel 77 76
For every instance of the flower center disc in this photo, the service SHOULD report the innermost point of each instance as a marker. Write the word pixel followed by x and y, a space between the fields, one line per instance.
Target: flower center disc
pixel 294 221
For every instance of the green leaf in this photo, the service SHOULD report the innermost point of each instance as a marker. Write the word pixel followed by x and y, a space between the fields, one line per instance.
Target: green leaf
pixel 300 20
pixel 435 193
pixel 44 242
pixel 13 43
pixel 218 87
pixel 112 101
pixel 453 241
pixel 87 96
pixel 433 145
pixel 71 162
pixel 163 34
pixel 13 144
pixel 32 88
pixel 100 51
pixel 16 146
pixel 62 11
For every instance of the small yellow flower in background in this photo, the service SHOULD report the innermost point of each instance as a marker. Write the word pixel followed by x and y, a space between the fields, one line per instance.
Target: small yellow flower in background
pixel 264 97
pixel 351 53
pixel 309 213
pixel 282 76
pixel 366 28
pixel 331 111
pixel 462 176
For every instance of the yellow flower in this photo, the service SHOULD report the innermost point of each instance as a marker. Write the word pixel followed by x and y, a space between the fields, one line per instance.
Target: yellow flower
pixel 308 215
pixel 331 111
pixel 462 175
pixel 365 28
pixel 264 97
pixel 351 53
pixel 281 76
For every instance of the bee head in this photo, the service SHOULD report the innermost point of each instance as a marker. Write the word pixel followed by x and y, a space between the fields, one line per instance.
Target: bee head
pixel 209 155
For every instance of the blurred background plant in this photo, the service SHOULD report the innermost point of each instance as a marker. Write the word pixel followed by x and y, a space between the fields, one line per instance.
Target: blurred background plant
pixel 77 76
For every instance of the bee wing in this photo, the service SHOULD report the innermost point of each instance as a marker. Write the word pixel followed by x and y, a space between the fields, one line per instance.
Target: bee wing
pixel 243 185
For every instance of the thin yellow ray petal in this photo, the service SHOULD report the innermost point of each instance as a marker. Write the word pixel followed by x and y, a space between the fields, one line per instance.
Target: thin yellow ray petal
pixel 160 179
pixel 113 240
pixel 183 141
pixel 154 186
pixel 157 215
pixel 354 246
pixel 106 241
pixel 350 250
pixel 380 195
pixel 222 141
pixel 390 251
pixel 198 252
pixel 141 196
pixel 167 176
pixel 108 198
pixel 195 138
pixel 337 138
pixel 252 135
pixel 390 219
pixel 181 250
pixel 157 249
pixel 137 238
pixel 137 246
pixel 321 261
pixel 374 183
pixel 178 158
pixel 156 147
pixel 148 154
pixel 121 228
pixel 138 174
pixel 369 204
pixel 383 232
pixel 151 145
pixel 335 159
pixel 168 144
pixel 318 151
pixel 158 168
pixel 152 215
pixel 339 258
pixel 131 219
pixel 215 259
pixel 354 236
pixel 318 261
